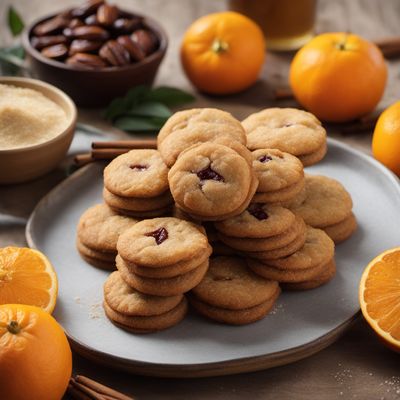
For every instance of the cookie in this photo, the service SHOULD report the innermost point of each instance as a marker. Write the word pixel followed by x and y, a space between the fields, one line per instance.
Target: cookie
pixel 280 252
pixel 288 129
pixel 265 244
pixel 324 277
pixel 137 204
pixel 282 196
pixel 242 207
pixel 342 230
pixel 125 300
pixel 96 254
pixel 232 294
pixel 147 324
pixel 234 317
pixel 303 265
pixel 258 221
pixel 276 170
pixel 161 241
pixel 138 173
pixel 196 126
pixel 314 157
pixel 143 214
pixel 163 286
pixel 171 271
pixel 327 202
pixel 205 176
pixel 99 228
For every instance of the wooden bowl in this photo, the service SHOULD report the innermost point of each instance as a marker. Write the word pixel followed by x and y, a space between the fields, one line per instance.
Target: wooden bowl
pixel 94 88
pixel 27 163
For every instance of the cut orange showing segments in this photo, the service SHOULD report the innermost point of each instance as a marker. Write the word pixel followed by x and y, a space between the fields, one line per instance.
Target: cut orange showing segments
pixel 27 277
pixel 380 296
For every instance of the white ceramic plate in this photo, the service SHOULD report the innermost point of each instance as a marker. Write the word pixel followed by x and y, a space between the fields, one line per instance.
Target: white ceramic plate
pixel 301 323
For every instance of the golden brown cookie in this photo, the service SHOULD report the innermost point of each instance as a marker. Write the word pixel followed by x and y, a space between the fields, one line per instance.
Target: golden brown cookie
pixel 147 324
pixel 190 127
pixel 288 129
pixel 138 173
pixel 163 286
pixel 161 241
pixel 327 202
pixel 205 176
pixel 278 197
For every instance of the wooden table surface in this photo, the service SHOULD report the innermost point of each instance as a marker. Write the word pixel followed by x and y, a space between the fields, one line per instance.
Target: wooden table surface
pixel 356 366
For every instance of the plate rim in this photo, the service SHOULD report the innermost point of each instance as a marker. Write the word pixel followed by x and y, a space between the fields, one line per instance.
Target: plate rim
pixel 226 367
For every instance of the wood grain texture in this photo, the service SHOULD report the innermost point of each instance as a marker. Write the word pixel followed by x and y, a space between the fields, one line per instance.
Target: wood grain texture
pixel 357 366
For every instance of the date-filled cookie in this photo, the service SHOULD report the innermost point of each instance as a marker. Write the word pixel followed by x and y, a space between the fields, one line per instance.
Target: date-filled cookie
pixel 136 184
pixel 211 180
pixel 232 294
pixel 190 127
pixel 288 129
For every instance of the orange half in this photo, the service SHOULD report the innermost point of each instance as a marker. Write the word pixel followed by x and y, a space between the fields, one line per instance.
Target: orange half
pixel 379 295
pixel 27 277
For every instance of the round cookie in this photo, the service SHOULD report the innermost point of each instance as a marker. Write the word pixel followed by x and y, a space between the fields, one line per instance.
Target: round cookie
pixel 327 202
pixel 165 286
pixel 205 176
pixel 125 300
pixel 136 204
pixel 138 173
pixel 108 257
pixel 276 170
pixel 265 244
pixel 258 221
pixel 280 196
pixel 314 157
pixel 229 284
pixel 191 127
pixel 234 317
pixel 342 230
pixel 161 241
pixel 147 324
pixel 324 277
pixel 318 249
pixel 99 228
pixel 171 271
pixel 288 129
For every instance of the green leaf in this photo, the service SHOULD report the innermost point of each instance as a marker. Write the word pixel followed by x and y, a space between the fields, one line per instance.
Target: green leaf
pixel 170 96
pixel 116 108
pixel 139 124
pixel 15 23
pixel 12 60
pixel 150 109
pixel 136 95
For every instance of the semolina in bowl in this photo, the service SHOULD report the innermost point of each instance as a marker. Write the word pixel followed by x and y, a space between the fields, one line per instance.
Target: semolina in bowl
pixel 37 124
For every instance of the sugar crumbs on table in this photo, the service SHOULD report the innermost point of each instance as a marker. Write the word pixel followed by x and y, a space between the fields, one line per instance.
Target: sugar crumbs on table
pixel 95 311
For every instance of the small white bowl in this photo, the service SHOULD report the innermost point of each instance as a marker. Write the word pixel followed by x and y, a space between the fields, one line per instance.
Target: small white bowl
pixel 27 163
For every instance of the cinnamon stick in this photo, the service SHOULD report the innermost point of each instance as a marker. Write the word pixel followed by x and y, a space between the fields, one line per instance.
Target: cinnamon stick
pixel 390 46
pixel 107 154
pixel 77 394
pixel 86 390
pixel 82 159
pixel 283 94
pixel 100 388
pixel 126 144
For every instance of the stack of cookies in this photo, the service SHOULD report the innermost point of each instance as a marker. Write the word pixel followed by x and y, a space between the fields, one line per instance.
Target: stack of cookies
pixel 287 129
pixel 328 206
pixel 263 232
pixel 280 176
pixel 136 184
pixel 199 125
pixel 309 267
pixel 137 312
pixel 212 181
pixel 98 231
pixel 232 294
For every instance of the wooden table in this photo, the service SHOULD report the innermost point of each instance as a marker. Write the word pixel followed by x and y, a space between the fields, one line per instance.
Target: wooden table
pixel 356 366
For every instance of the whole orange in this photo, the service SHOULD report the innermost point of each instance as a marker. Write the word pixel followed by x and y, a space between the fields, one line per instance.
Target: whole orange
pixel 35 357
pixel 223 53
pixel 386 138
pixel 338 76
